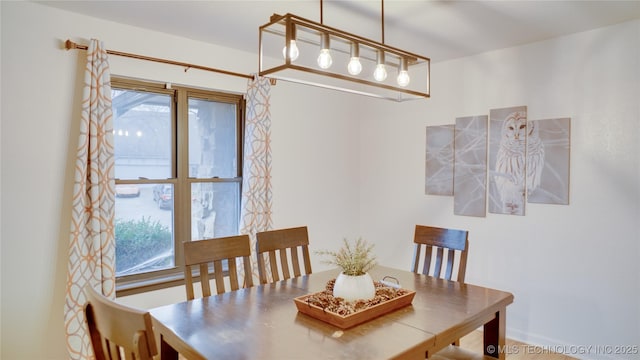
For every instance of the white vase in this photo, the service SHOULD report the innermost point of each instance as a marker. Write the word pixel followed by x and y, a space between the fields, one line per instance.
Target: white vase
pixel 353 288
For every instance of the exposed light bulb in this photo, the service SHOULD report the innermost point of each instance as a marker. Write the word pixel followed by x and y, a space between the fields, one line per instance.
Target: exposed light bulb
pixel 324 59
pixel 293 51
pixel 354 67
pixel 403 75
pixel 380 73
pixel 403 78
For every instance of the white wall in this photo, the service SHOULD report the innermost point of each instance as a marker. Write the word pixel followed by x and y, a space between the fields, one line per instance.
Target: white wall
pixel 315 154
pixel 347 166
pixel 573 269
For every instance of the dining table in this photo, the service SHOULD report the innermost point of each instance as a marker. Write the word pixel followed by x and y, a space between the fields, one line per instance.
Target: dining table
pixel 262 322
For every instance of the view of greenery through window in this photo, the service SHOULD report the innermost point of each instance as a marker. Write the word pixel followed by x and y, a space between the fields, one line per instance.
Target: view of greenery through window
pixel 177 172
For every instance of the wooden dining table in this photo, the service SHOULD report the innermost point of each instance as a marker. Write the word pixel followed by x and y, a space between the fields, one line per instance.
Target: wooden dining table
pixel 262 322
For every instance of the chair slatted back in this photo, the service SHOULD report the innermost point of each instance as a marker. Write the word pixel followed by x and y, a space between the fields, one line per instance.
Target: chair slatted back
pixel 204 252
pixel 118 331
pixel 438 242
pixel 282 244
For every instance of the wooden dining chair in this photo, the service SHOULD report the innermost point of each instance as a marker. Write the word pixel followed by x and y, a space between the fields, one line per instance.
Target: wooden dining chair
pixel 117 331
pixel 440 247
pixel 216 251
pixel 287 243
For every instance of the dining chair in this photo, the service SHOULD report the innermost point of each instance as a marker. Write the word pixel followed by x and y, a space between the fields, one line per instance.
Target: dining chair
pixel 118 331
pixel 440 248
pixel 287 243
pixel 217 251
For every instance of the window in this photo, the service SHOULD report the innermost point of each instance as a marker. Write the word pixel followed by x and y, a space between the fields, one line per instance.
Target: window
pixel 178 171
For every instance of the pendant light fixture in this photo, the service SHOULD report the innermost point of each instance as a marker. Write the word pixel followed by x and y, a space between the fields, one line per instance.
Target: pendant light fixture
pixel 295 49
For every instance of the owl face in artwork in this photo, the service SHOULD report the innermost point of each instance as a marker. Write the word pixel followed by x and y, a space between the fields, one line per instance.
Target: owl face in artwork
pixel 514 128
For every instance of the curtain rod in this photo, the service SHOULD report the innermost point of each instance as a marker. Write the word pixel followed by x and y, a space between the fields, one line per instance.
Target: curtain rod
pixel 72 45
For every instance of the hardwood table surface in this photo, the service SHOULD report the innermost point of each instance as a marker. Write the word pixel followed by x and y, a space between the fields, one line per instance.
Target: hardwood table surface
pixel 262 322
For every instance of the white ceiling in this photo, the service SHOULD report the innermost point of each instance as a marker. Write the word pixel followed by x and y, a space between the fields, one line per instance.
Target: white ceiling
pixel 440 30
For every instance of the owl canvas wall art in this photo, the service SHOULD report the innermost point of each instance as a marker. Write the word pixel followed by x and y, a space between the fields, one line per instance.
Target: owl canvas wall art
pixel 528 162
pixel 508 175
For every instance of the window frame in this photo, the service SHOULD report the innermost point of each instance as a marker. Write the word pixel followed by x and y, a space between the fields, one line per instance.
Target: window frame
pixel 174 276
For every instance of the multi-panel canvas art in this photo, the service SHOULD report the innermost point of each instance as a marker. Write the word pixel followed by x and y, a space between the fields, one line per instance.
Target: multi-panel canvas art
pixel 470 166
pixel 528 161
pixel 439 160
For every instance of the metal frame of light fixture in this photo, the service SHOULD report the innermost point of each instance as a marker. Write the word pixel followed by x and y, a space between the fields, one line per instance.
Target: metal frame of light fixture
pixel 313 35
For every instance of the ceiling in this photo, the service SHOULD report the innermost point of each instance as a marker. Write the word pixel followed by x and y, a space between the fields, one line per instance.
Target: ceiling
pixel 440 30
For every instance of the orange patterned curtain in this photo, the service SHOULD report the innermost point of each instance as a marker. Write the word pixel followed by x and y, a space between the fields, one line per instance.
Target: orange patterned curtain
pixel 92 245
pixel 256 181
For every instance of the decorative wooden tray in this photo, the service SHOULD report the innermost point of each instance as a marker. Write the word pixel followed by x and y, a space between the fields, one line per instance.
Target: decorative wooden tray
pixel 358 317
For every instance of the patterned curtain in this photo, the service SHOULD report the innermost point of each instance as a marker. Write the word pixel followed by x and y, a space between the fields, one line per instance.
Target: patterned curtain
pixel 256 182
pixel 92 245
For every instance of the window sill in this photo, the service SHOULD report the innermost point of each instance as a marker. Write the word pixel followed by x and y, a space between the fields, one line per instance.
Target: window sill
pixel 132 287
pixel 163 281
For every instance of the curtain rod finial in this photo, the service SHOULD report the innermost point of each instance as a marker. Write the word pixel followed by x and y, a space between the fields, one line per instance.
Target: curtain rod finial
pixel 70 45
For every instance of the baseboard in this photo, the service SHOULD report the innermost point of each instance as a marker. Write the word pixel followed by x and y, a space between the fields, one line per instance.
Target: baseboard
pixel 584 351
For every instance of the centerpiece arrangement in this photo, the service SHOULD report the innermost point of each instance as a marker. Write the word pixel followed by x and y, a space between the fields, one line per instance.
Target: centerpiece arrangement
pixel 353 297
pixel 355 260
